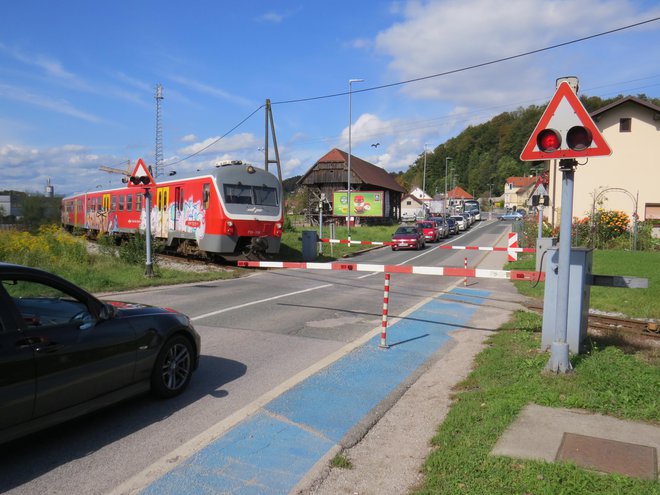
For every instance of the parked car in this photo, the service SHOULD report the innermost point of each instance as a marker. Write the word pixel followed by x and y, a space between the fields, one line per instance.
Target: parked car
pixel 430 230
pixel 441 226
pixel 468 218
pixel 460 221
pixel 408 236
pixel 452 225
pixel 64 353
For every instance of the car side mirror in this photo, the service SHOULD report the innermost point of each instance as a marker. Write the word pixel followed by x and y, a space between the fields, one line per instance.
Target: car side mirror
pixel 107 312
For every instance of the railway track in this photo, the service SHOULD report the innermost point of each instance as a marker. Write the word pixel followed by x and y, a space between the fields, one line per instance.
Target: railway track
pixel 643 328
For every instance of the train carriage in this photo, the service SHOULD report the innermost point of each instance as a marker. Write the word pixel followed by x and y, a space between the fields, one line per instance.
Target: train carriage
pixel 234 210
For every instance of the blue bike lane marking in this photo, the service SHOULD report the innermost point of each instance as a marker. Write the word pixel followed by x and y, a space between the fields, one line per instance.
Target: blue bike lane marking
pixel 272 450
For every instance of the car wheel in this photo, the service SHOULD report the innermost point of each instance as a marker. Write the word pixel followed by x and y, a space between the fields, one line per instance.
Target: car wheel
pixel 173 367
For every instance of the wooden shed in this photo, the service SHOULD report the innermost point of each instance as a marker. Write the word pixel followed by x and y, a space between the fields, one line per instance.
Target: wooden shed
pixel 330 174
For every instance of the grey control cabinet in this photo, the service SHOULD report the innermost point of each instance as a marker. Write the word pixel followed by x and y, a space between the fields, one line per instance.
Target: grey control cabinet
pixel 309 240
pixel 578 298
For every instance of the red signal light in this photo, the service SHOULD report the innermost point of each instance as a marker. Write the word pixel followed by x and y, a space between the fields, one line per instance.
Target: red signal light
pixel 579 138
pixel 548 140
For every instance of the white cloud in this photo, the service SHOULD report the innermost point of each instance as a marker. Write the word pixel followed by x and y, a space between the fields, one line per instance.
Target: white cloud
pixel 56 105
pixel 271 17
pixel 234 143
pixel 368 128
pixel 189 138
pixel 213 91
pixel 70 168
pixel 441 36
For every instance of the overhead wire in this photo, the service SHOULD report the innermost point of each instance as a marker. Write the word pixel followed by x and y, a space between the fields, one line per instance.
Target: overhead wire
pixel 423 78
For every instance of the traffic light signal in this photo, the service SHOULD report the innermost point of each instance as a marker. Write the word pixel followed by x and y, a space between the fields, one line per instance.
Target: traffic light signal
pixel 578 138
pixel 139 180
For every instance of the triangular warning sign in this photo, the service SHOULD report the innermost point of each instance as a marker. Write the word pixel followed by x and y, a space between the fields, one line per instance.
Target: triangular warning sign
pixel 141 176
pixel 565 111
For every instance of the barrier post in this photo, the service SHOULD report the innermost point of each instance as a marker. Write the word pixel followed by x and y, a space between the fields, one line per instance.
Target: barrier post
pixel 465 266
pixel 386 301
pixel 513 243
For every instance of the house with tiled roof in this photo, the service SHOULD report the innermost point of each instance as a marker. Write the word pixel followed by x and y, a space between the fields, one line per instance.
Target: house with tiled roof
pixel 329 175
pixel 517 191
pixel 629 179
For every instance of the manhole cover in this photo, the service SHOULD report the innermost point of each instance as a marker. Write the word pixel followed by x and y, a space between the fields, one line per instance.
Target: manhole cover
pixel 609 456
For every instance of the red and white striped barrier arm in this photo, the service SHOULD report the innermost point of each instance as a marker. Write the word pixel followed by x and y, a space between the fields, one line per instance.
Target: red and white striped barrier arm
pixel 365 243
pixel 515 249
pixel 490 248
pixel 415 270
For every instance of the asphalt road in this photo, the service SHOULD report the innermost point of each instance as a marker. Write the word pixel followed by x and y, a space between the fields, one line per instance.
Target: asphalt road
pixel 257 333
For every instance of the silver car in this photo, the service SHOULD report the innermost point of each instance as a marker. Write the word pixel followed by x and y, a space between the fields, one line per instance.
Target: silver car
pixel 460 221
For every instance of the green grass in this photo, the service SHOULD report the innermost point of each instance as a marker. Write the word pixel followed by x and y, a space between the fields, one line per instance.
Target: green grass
pixel 341 461
pixel 508 376
pixel 636 303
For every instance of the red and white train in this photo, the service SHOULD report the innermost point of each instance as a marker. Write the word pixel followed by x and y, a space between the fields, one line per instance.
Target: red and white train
pixel 233 211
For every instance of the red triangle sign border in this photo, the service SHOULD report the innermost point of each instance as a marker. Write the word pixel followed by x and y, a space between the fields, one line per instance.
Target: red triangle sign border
pixel 564 92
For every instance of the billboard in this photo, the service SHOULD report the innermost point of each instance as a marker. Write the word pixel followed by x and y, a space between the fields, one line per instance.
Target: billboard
pixel 363 203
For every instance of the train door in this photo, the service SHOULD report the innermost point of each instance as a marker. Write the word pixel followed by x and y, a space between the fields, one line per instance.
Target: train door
pixel 105 213
pixel 162 202
pixel 177 211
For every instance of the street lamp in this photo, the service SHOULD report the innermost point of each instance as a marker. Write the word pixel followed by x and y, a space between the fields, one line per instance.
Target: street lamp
pixel 348 192
pixel 446 163
pixel 424 181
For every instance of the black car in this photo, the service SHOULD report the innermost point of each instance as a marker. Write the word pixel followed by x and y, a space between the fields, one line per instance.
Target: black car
pixel 64 353
pixel 453 226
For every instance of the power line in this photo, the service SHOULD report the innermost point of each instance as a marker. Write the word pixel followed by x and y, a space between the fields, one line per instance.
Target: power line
pixel 218 139
pixel 423 78
pixel 475 66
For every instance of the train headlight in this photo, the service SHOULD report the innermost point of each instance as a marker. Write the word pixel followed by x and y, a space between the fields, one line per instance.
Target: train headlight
pixel 278 228
pixel 230 227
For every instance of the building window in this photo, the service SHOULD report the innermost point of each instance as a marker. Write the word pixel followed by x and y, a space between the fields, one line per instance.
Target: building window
pixel 625 125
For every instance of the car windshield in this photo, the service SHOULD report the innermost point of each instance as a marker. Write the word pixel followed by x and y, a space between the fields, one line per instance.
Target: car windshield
pixel 406 230
pixel 426 225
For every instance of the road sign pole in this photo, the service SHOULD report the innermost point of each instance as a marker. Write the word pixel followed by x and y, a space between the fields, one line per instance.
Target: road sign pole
pixel 540 210
pixel 149 266
pixel 559 362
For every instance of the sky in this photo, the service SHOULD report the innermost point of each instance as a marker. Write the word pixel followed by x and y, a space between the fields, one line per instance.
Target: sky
pixel 78 78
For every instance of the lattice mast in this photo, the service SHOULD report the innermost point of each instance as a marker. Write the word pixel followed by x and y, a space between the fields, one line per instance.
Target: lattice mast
pixel 158 156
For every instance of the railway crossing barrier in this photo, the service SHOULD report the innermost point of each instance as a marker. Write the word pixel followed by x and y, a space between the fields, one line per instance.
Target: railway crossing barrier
pixel 389 269
pixel 446 271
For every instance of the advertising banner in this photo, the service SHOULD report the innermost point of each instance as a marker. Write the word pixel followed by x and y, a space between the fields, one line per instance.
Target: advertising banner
pixel 363 203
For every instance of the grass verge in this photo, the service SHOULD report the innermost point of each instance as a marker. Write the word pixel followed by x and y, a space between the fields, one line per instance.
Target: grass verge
pixel 508 376
pixel 635 303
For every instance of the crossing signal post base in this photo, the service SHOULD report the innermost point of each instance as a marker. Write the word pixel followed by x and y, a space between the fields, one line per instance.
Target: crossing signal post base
pixel 559 362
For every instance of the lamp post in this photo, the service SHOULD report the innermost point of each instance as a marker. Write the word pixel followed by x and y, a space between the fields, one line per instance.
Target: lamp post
pixel 446 163
pixel 424 182
pixel 348 192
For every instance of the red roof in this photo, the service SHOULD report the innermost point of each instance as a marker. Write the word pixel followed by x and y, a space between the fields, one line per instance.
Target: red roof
pixel 521 181
pixel 459 193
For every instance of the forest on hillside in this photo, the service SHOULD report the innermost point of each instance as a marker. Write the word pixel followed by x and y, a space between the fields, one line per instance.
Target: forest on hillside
pixel 482 157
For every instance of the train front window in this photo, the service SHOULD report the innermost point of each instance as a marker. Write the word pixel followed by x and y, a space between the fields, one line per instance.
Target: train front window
pixel 266 196
pixel 250 195
pixel 238 194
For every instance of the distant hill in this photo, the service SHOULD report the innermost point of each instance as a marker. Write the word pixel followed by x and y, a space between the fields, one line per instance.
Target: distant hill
pixel 488 153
